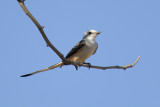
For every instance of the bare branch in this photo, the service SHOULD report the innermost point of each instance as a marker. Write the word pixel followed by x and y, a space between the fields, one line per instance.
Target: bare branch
pixel 21 3
pixel 117 67
pixel 104 68
pixel 64 60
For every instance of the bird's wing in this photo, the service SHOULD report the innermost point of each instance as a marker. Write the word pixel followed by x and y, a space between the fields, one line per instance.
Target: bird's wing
pixel 77 47
pixel 95 50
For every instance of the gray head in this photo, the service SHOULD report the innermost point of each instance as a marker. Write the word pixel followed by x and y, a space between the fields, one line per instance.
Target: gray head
pixel 91 34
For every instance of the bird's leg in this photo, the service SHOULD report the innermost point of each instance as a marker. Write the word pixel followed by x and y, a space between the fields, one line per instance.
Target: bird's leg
pixel 79 65
pixel 76 67
pixel 89 65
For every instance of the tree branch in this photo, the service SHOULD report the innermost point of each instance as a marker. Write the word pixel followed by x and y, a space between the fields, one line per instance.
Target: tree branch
pixel 117 67
pixel 104 68
pixel 64 60
pixel 21 3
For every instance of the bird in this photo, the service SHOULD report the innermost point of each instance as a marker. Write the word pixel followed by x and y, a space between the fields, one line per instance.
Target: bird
pixel 79 53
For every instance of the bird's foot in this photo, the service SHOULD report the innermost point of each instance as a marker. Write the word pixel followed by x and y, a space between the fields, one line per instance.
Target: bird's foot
pixel 79 65
pixel 89 65
pixel 76 67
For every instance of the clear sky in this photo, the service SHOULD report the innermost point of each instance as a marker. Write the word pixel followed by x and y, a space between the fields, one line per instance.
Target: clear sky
pixel 129 28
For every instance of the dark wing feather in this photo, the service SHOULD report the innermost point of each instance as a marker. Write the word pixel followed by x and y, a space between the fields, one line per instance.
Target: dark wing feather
pixel 78 46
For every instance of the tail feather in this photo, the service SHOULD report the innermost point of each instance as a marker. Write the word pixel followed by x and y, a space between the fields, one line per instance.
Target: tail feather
pixel 49 68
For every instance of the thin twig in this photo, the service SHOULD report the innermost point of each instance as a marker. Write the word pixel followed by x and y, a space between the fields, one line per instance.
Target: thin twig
pixel 21 3
pixel 64 60
pixel 108 67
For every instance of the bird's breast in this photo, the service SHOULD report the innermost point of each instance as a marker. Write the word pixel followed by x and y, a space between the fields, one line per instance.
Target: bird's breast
pixel 85 52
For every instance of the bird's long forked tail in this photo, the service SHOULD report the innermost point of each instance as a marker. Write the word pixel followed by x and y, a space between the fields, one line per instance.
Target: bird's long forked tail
pixel 49 68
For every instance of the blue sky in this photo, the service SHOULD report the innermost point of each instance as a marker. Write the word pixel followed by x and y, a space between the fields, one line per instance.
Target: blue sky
pixel 129 28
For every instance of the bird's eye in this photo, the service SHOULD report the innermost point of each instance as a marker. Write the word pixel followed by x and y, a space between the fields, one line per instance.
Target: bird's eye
pixel 89 33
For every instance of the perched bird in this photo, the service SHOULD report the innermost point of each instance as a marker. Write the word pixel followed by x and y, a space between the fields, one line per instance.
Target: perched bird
pixel 80 52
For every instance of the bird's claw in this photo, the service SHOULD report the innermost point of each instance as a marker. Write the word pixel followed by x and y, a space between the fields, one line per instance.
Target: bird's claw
pixel 76 67
pixel 89 65
pixel 80 64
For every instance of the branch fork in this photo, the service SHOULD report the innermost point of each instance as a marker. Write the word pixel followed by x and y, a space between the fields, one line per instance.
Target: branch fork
pixel 64 60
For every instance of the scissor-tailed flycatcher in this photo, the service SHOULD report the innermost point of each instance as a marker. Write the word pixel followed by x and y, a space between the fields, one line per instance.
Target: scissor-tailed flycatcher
pixel 80 52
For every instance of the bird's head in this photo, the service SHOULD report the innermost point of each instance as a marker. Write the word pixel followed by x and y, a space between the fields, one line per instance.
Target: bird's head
pixel 91 34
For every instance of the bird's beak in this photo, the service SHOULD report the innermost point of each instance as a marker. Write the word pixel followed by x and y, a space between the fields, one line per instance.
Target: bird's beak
pixel 98 32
